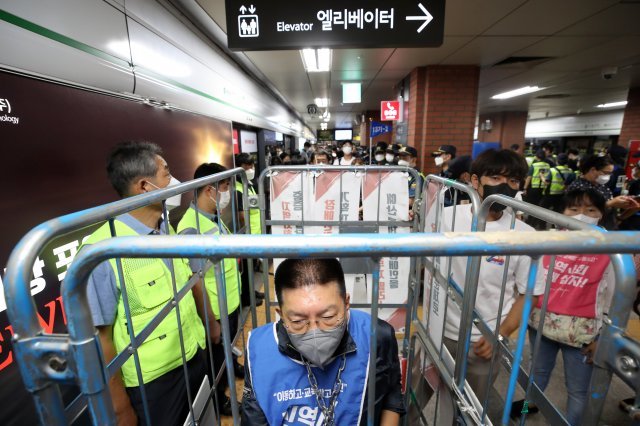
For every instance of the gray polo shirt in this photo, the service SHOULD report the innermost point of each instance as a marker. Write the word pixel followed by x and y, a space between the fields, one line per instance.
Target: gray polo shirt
pixel 102 291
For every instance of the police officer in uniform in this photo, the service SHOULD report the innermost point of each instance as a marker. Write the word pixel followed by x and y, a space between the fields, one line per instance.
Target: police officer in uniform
pixel 408 156
pixel 135 168
pixel 311 366
pixel 204 213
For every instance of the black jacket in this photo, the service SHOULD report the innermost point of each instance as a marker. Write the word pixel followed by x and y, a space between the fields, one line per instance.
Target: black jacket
pixel 388 387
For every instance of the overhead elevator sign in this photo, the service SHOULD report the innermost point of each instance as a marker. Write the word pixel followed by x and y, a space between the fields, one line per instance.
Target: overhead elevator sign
pixel 291 24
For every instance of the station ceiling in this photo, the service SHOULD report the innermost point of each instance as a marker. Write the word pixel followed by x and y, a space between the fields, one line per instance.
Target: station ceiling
pixel 571 43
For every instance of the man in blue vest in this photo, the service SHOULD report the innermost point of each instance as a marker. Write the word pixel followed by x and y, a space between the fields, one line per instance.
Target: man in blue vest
pixel 311 367
pixel 135 168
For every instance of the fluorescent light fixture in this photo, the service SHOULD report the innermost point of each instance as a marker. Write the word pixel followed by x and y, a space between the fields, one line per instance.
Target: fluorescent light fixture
pixel 316 60
pixel 517 92
pixel 322 102
pixel 612 104
pixel 351 93
pixel 323 126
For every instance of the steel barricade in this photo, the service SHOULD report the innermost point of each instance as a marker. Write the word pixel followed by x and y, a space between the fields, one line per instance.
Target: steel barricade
pixel 346 245
pixel 44 357
pixel 343 225
pixel 454 374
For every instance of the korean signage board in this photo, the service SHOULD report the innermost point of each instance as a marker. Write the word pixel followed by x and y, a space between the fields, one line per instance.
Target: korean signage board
pixel 390 110
pixel 289 24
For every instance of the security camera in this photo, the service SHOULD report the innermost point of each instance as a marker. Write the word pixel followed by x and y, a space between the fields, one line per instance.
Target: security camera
pixel 609 72
pixel 312 109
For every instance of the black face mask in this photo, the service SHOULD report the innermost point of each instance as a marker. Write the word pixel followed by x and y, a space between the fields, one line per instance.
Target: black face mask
pixel 503 189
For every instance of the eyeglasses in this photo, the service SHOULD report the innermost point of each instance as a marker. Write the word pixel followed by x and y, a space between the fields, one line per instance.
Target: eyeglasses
pixel 324 324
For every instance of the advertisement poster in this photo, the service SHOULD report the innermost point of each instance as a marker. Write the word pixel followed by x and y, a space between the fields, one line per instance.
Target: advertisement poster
pixel 57 148
pixel 248 141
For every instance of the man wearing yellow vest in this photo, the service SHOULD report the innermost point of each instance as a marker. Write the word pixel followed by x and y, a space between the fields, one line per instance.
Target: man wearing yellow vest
pixel 135 168
pixel 560 177
pixel 203 214
pixel 535 185
pixel 248 164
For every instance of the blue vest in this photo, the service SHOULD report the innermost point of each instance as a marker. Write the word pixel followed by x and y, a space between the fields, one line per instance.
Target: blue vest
pixel 282 388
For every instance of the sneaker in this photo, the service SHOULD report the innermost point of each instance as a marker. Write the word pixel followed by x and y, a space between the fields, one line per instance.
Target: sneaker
pixel 518 406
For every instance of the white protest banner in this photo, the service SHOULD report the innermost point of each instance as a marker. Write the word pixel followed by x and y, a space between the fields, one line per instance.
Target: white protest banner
pixel 385 197
pixel 336 197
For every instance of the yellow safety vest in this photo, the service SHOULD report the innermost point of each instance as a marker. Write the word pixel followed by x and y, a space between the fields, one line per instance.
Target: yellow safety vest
pixel 254 209
pixel 539 167
pixel 207 226
pixel 557 185
pixel 149 288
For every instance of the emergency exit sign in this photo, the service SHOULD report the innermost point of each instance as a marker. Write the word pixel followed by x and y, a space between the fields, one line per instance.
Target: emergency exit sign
pixel 291 24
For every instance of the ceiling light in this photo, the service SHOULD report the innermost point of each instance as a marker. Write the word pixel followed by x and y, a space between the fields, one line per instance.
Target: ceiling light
pixel 612 104
pixel 316 60
pixel 322 102
pixel 323 126
pixel 517 92
pixel 351 93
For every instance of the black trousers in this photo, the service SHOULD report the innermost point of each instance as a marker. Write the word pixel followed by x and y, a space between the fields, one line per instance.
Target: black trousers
pixel 534 196
pixel 218 355
pixel 167 395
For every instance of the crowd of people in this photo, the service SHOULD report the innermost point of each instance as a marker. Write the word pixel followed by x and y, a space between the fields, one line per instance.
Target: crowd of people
pixel 319 343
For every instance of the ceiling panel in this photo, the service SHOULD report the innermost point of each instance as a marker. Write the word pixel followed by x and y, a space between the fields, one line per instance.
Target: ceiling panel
pixel 546 17
pixel 558 46
pixel 409 58
pixel 464 17
pixel 359 59
pixel 621 19
pixel 489 50
pixel 602 55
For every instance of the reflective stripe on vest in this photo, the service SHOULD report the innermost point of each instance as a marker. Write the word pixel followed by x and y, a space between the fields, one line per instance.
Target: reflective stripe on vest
pixel 281 385
pixel 557 179
pixel 538 168
pixel 207 226
pixel 254 212
pixel 149 288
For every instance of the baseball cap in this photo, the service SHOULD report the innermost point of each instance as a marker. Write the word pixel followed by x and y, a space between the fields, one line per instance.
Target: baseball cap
pixel 458 166
pixel 445 149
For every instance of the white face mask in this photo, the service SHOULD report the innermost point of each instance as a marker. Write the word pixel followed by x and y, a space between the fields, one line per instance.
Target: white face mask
pixel 389 158
pixel 439 160
pixel 379 157
pixel 251 173
pixel 403 163
pixel 586 219
pixel 223 202
pixel 346 150
pixel 603 179
pixel 171 202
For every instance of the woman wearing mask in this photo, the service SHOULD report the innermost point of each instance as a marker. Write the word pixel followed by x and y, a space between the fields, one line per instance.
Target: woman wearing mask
pixel 347 155
pixel 595 174
pixel 579 298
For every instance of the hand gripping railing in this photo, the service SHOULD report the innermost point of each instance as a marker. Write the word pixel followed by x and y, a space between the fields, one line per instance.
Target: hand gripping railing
pixel 345 245
pixel 45 360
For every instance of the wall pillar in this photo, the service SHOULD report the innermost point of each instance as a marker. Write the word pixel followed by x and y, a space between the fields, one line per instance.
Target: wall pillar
pixel 506 127
pixel 631 122
pixel 442 110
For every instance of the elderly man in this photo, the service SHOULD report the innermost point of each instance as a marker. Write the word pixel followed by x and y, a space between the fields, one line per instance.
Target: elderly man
pixel 136 168
pixel 311 366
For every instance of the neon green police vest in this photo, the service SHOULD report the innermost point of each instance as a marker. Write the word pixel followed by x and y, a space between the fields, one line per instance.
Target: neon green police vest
pixel 557 179
pixel 254 211
pixel 149 288
pixel 207 226
pixel 539 167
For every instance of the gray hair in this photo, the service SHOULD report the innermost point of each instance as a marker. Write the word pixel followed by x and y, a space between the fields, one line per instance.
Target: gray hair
pixel 129 161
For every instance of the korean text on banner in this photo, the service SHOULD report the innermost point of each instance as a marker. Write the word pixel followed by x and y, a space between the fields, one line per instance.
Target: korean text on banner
pixel 385 197
pixel 335 197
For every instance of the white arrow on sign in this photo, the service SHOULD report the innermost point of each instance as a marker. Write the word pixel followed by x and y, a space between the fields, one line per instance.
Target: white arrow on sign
pixel 427 17
pixel 243 9
pixel 252 9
